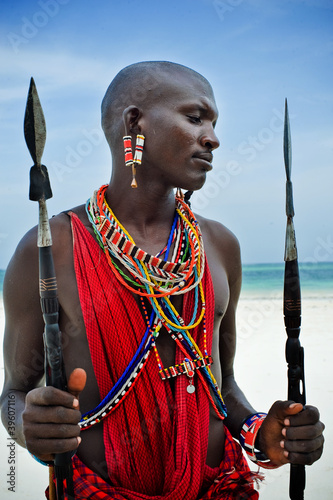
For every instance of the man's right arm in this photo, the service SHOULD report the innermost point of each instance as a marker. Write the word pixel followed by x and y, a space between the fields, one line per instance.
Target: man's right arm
pixel 45 418
pixel 23 338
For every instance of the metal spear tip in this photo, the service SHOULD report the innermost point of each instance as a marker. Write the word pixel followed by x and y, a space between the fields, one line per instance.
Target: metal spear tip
pixel 287 142
pixel 35 137
pixel 34 125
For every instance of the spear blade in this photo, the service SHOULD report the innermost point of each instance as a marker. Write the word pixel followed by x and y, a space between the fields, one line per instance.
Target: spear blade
pixel 34 124
pixel 287 141
pixel 290 247
pixel 35 137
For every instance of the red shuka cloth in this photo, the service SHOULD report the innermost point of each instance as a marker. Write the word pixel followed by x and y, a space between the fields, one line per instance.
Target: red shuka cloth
pixel 232 482
pixel 155 442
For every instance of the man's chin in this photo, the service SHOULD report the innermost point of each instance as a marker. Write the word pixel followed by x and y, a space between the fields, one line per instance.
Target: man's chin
pixel 195 185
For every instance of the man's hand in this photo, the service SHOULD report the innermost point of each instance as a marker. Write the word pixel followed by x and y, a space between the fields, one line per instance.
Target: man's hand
pixel 51 417
pixel 292 433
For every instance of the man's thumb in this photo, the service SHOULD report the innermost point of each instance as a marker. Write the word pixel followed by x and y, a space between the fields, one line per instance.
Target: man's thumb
pixel 77 381
pixel 282 409
pixel 293 408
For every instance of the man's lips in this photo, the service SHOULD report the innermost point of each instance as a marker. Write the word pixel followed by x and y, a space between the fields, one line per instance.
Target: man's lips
pixel 206 157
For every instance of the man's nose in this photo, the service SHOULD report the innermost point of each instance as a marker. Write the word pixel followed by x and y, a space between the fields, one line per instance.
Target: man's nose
pixel 209 139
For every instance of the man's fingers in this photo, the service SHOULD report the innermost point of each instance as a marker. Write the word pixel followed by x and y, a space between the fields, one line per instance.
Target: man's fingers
pixel 51 431
pixel 292 433
pixel 303 432
pixel 50 447
pixel 50 396
pixel 294 414
pixel 304 458
pixel 52 415
pixel 304 446
pixel 309 415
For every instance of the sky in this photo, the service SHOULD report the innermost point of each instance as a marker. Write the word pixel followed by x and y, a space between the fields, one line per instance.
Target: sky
pixel 255 53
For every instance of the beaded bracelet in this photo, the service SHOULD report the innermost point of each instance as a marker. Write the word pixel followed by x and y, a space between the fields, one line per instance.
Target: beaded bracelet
pixel 247 438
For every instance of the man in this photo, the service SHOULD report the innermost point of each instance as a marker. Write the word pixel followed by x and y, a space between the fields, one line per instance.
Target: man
pixel 142 328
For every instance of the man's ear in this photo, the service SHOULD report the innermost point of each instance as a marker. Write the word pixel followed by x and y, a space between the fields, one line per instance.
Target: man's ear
pixel 131 117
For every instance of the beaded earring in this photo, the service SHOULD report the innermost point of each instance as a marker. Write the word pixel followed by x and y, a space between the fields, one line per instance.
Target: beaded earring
pixel 137 160
pixel 128 150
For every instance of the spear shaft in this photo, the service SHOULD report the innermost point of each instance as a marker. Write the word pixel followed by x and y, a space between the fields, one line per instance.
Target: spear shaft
pixel 292 312
pixel 40 190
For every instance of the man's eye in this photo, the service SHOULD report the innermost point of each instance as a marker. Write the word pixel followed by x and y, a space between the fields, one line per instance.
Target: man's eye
pixel 194 119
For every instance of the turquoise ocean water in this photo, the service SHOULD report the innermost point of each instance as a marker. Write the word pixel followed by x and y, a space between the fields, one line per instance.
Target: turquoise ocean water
pixel 261 280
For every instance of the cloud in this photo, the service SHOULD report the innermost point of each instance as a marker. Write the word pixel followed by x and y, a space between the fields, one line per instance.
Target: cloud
pixel 54 71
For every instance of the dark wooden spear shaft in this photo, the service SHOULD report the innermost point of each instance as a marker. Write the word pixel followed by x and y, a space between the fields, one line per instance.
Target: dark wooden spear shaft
pixel 40 190
pixel 292 313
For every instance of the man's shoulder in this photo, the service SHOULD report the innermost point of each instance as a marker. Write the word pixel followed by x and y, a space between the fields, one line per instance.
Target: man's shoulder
pixel 222 249
pixel 218 234
pixel 62 220
pixel 60 225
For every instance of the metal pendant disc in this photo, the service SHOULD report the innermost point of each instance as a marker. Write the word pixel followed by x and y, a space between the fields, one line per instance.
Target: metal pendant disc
pixel 190 389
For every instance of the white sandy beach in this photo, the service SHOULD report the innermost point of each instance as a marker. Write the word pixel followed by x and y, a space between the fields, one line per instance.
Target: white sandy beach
pixel 261 372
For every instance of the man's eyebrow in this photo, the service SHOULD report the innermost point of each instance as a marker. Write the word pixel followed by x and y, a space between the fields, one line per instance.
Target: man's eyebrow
pixel 203 108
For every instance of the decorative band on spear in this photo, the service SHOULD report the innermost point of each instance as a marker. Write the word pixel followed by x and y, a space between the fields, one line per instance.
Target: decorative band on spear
pixel 292 312
pixel 40 190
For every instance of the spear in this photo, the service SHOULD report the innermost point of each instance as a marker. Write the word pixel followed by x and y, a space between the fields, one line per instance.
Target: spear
pixel 292 312
pixel 40 190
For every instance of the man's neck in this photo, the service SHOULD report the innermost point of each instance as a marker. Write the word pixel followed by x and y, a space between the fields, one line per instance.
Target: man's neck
pixel 146 212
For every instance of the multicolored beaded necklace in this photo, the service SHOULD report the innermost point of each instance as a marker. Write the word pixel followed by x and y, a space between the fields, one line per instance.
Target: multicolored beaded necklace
pixel 156 279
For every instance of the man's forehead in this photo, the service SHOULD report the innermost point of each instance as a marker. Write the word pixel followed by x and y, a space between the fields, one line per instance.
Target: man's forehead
pixel 179 88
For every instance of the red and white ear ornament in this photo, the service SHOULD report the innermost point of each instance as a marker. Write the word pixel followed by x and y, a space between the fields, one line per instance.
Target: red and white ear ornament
pixel 137 160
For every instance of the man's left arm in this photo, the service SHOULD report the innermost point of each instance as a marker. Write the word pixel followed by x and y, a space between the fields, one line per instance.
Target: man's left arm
pixel 236 402
pixel 289 433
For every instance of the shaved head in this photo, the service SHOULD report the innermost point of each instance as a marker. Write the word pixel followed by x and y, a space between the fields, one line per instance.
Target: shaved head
pixel 141 84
